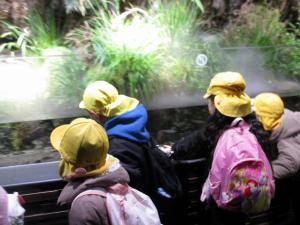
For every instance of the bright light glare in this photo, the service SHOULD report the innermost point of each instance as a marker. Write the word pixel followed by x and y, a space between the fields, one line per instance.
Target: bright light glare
pixel 21 81
pixel 139 35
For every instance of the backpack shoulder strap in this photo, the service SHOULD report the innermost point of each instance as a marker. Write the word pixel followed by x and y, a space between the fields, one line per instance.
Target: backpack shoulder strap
pixel 120 189
pixel 100 192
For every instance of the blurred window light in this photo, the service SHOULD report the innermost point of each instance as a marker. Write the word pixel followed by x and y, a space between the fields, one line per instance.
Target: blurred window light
pixel 20 81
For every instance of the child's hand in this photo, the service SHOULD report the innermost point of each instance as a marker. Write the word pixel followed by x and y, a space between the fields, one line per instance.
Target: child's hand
pixel 166 149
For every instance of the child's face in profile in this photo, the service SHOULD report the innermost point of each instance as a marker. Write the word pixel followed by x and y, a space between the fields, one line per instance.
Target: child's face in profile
pixel 211 106
pixel 100 119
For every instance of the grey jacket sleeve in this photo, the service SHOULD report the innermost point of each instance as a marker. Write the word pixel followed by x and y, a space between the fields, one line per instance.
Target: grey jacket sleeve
pixel 89 210
pixel 288 162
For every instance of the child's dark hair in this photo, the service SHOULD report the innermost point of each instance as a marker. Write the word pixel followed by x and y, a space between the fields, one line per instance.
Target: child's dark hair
pixel 257 129
pixel 216 125
pixel 263 136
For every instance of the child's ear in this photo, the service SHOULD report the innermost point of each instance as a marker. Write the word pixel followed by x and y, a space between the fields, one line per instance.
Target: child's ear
pixel 93 114
pixel 79 172
pixel 97 117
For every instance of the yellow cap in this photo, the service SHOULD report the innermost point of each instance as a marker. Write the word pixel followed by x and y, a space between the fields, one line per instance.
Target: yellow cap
pixel 233 105
pixel 83 144
pixel 104 99
pixel 269 108
pixel 226 83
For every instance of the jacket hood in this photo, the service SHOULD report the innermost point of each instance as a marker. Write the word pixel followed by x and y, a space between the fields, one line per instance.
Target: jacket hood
pixel 290 125
pixel 75 187
pixel 130 125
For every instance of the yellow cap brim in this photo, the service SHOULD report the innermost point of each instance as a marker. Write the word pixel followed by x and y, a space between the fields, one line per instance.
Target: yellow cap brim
pixel 57 135
pixel 82 105
pixel 66 169
pixel 206 96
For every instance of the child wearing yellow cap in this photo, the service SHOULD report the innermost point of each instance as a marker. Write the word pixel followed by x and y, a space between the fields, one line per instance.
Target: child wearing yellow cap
pixel 85 164
pixel 284 126
pixel 229 106
pixel 226 101
pixel 125 119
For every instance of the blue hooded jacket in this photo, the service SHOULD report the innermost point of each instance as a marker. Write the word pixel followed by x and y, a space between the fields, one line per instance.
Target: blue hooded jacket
pixel 130 125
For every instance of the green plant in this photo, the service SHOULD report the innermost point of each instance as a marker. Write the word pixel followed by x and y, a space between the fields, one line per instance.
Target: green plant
pixel 144 51
pixel 256 26
pixel 44 31
pixel 21 39
pixel 41 33
pixel 127 48
pixel 182 21
pixel 288 58
pixel 259 26
pixel 179 18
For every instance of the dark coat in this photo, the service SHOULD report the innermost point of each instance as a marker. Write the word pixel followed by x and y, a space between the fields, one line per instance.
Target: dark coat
pixel 133 158
pixel 192 146
pixel 150 170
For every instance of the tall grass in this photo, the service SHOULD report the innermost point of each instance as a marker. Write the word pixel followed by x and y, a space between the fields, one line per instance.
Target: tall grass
pixel 182 21
pixel 132 51
pixel 127 48
pixel 41 33
pixel 143 51
pixel 261 27
pixel 178 17
pixel 289 58
pixel 256 26
pixel 20 39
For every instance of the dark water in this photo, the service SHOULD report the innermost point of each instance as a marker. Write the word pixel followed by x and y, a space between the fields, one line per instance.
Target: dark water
pixel 170 124
pixel 28 142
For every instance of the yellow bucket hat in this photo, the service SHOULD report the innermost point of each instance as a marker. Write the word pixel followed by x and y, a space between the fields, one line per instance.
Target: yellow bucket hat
pixel 269 108
pixel 82 144
pixel 233 105
pixel 230 98
pixel 226 83
pixel 104 99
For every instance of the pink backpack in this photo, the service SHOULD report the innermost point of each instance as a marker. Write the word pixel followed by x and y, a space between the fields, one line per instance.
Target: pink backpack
pixel 241 177
pixel 126 205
